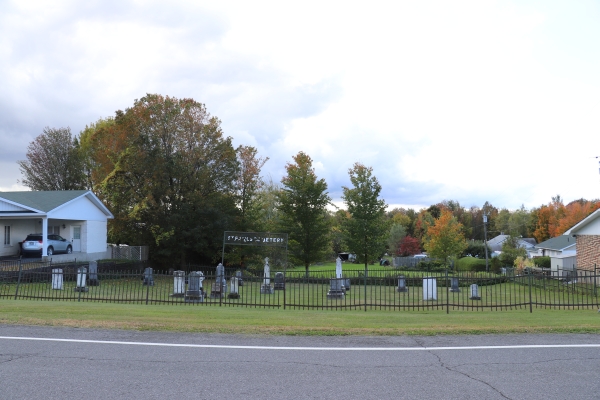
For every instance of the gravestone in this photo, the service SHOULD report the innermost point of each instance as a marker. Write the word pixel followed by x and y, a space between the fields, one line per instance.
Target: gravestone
pixel 147 278
pixel 454 284
pixel 195 292
pixel 336 289
pixel 57 279
pixel 429 289
pixel 81 277
pixel 178 284
pixel 279 281
pixel 234 288
pixel 93 270
pixel 474 292
pixel 347 284
pixel 238 274
pixel 266 287
pixel 338 271
pixel 401 284
pixel 219 288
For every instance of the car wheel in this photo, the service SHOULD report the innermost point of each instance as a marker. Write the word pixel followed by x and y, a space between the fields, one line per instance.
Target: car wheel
pixel 50 250
pixel 69 249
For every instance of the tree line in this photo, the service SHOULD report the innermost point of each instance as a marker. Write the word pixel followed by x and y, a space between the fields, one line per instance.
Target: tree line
pixel 175 182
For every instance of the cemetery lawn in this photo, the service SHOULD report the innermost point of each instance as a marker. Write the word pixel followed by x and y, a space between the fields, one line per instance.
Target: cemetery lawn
pixel 240 320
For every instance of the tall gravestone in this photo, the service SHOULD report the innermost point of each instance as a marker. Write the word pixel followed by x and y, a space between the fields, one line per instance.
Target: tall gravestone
pixel 338 271
pixel 178 284
pixel 266 287
pixel 219 288
pixel 93 271
pixel 474 292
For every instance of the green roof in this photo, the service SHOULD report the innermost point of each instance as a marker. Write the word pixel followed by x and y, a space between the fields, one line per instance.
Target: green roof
pixel 44 201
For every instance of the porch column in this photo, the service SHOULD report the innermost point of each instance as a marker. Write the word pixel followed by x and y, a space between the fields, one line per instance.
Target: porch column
pixel 45 236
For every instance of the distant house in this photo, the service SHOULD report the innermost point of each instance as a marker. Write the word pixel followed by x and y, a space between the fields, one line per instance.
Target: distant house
pixel 495 244
pixel 587 234
pixel 76 215
pixel 562 253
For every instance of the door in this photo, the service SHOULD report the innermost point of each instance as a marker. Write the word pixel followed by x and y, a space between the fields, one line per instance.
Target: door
pixel 76 238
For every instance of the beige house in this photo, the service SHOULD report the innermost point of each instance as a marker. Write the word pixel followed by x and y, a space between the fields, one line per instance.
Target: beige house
pixel 587 234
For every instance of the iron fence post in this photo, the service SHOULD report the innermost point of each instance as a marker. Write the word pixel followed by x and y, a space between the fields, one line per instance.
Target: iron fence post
pixel 18 279
pixel 365 288
pixel 147 291
pixel 530 301
pixel 595 280
pixel 447 294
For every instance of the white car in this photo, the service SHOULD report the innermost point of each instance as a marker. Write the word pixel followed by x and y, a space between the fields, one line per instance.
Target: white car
pixel 56 244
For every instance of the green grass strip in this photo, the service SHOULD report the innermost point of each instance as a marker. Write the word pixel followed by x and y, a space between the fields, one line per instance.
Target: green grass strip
pixel 238 320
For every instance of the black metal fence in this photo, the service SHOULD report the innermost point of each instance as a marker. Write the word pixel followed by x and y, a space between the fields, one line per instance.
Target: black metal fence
pixel 391 289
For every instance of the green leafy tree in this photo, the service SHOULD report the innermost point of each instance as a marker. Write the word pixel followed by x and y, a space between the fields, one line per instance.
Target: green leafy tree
pixel 53 162
pixel 396 234
pixel 511 250
pixel 248 184
pixel 173 183
pixel 367 229
pixel 445 240
pixel 302 202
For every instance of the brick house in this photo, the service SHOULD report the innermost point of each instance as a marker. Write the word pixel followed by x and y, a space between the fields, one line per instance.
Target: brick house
pixel 587 234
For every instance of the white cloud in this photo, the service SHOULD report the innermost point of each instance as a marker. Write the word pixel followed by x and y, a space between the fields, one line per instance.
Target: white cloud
pixel 470 100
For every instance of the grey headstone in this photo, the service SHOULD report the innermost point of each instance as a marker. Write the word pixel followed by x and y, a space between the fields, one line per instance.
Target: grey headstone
pixel 93 277
pixel 454 284
pixel 279 281
pixel 336 288
pixel 147 278
pixel 401 284
pixel 238 274
pixel 195 293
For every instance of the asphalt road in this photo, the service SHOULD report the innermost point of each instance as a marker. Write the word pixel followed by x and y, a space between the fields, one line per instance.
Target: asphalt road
pixel 156 365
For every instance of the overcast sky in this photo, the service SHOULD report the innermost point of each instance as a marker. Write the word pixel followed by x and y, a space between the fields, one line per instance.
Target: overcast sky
pixel 470 101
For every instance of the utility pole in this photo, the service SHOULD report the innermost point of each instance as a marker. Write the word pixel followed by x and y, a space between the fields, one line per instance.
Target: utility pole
pixel 487 268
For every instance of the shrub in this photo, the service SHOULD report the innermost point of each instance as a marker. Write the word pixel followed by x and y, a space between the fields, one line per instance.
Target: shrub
pixel 471 264
pixel 431 266
pixel 542 262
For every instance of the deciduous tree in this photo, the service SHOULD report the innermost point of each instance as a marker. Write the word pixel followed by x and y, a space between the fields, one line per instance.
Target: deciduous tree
pixel 173 182
pixel 366 229
pixel 302 202
pixel 445 238
pixel 53 162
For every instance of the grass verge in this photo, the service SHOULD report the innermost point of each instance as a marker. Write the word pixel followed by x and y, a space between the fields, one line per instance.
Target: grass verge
pixel 239 320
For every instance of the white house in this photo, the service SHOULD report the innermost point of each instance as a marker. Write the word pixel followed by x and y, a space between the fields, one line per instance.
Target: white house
pixel 77 215
pixel 562 253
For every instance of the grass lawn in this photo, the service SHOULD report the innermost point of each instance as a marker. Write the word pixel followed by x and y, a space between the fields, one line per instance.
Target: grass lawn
pixel 239 320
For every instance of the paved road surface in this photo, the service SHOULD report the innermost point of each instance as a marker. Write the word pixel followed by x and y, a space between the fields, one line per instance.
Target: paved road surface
pixel 155 365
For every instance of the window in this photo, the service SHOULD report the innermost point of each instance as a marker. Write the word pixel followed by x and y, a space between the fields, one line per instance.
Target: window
pixel 7 235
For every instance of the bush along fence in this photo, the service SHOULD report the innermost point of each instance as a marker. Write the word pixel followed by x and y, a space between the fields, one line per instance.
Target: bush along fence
pixel 136 282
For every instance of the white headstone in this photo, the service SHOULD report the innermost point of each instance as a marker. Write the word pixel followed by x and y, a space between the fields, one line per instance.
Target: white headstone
pixel 267 280
pixel 429 289
pixel 57 279
pixel 178 282
pixel 338 267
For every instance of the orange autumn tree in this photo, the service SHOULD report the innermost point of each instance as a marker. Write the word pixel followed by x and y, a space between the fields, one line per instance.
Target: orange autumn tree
pixel 575 212
pixel 548 220
pixel 445 239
